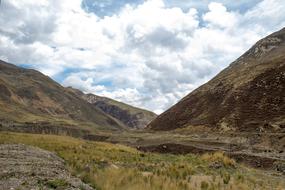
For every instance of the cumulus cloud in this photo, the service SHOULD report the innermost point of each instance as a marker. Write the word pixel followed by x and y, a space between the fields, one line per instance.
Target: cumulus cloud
pixel 149 55
pixel 86 85
pixel 220 17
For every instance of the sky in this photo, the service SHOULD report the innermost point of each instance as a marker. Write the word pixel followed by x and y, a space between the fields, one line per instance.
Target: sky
pixel 148 53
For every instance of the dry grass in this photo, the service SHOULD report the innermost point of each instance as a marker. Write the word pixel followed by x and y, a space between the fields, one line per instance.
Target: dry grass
pixel 117 167
pixel 219 158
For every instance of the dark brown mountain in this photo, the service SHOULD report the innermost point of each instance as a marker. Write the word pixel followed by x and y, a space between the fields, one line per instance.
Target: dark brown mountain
pixel 249 95
pixel 27 96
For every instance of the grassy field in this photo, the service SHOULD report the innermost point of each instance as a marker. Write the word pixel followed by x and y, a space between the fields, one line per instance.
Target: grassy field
pixel 117 167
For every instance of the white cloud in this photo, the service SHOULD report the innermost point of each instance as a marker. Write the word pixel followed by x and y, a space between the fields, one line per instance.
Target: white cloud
pixel 150 55
pixel 86 85
pixel 219 16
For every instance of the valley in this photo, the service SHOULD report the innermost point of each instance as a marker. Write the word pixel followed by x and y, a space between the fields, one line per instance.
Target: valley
pixel 258 150
pixel 227 134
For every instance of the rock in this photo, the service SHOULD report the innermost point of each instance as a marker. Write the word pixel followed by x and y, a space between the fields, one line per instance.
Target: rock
pixel 280 167
pixel 25 167
pixel 216 165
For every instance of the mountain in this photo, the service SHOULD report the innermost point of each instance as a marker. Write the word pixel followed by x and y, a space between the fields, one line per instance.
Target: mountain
pixel 131 117
pixel 28 97
pixel 247 96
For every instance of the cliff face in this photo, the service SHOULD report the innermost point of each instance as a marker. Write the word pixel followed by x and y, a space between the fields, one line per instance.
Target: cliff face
pixel 132 117
pixel 249 95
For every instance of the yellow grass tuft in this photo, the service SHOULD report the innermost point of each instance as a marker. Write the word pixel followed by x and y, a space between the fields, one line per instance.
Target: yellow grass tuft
pixel 219 157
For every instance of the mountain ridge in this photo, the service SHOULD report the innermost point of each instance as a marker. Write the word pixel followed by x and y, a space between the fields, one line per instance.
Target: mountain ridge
pixel 227 101
pixel 131 116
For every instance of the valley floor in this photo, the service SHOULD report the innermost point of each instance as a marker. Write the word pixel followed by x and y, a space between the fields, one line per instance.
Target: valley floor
pixel 259 150
pixel 263 150
pixel 117 167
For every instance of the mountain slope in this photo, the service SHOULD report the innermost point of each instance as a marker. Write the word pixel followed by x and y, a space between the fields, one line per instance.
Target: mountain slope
pixel 249 95
pixel 27 95
pixel 132 117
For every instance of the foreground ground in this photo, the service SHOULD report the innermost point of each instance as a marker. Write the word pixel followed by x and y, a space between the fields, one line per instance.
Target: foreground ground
pixel 109 166
pixel 25 167
pixel 262 149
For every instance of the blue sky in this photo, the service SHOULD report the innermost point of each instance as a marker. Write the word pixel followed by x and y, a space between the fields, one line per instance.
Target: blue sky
pixel 107 7
pixel 111 7
pixel 148 53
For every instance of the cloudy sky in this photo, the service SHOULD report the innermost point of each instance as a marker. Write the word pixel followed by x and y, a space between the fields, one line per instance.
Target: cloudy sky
pixel 146 53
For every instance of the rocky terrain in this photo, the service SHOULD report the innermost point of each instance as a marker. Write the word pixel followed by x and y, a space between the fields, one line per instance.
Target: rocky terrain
pixel 24 167
pixel 248 96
